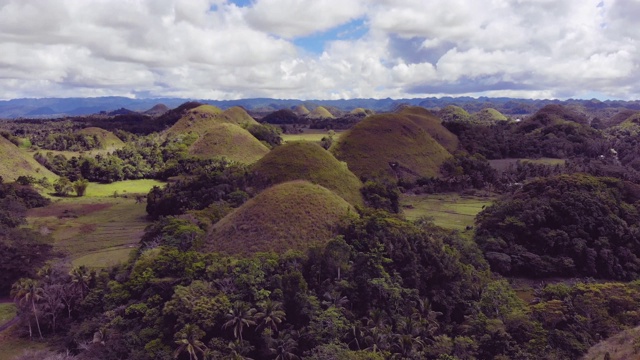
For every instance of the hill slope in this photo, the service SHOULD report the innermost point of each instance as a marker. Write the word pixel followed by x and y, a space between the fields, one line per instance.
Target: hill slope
pixel 200 119
pixel 230 141
pixel 291 215
pixel 107 138
pixel 302 160
pixel 390 146
pixel 320 113
pixel 15 162
pixel 433 125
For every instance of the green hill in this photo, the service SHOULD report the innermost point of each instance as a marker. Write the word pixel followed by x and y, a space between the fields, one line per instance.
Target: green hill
pixel 200 119
pixel 390 146
pixel 15 162
pixel 239 116
pixel 454 113
pixel 107 138
pixel 301 110
pixel 488 116
pixel 230 141
pixel 291 215
pixel 320 113
pixel 431 124
pixel 302 160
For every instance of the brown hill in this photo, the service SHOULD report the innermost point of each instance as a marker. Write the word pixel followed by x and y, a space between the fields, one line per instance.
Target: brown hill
pixel 320 113
pixel 433 125
pixel 230 141
pixel 15 162
pixel 292 215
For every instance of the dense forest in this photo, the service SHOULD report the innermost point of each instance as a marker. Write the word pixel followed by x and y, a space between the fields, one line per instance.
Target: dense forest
pixel 378 286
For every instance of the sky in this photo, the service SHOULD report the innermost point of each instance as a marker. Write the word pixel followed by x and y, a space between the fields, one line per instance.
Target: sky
pixel 320 49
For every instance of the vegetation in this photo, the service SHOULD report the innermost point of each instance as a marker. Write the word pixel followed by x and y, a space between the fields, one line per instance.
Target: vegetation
pixel 229 141
pixel 307 161
pixel 15 162
pixel 320 112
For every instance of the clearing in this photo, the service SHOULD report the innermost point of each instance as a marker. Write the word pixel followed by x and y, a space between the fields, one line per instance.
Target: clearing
pixel 450 211
pixel 311 135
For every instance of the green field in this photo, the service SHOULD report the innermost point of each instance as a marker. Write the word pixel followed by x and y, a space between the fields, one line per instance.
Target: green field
pixel 451 211
pixel 11 347
pixel 310 135
pixel 7 312
pixel 97 230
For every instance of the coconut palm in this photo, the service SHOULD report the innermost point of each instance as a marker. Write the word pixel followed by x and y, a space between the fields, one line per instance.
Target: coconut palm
pixel 189 341
pixel 80 277
pixel 283 348
pixel 28 291
pixel 239 317
pixel 270 315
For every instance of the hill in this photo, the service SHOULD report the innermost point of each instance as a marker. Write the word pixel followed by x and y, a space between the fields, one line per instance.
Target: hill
pixel 15 162
pixel 300 110
pixel 320 113
pixel 431 124
pixel 200 119
pixel 302 160
pixel 361 111
pixel 239 116
pixel 454 113
pixel 390 146
pixel 292 215
pixel 230 141
pixel 488 116
pixel 107 138
pixel 157 110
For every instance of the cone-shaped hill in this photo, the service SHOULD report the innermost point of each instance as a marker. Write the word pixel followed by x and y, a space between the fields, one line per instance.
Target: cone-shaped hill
pixel 201 118
pixel 433 125
pixel 390 146
pixel 301 110
pixel 292 215
pixel 15 163
pixel 320 113
pixel 303 160
pixel 107 138
pixel 488 116
pixel 361 111
pixel 230 141
pixel 454 113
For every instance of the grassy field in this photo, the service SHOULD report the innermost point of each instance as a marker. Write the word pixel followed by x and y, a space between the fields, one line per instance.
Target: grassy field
pixel 7 312
pixel 503 164
pixel 620 347
pixel 451 211
pixel 10 347
pixel 97 230
pixel 310 135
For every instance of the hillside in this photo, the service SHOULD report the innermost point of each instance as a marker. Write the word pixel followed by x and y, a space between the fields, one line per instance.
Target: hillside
pixel 300 110
pixel 454 113
pixel 200 119
pixel 15 162
pixel 433 125
pixel 302 160
pixel 107 139
pixel 488 116
pixel 390 146
pixel 320 113
pixel 293 215
pixel 230 141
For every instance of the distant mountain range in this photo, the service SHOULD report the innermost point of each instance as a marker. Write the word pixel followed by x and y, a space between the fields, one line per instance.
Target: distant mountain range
pixel 59 107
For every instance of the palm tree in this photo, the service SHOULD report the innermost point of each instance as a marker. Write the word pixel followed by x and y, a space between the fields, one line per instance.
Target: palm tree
pixel 270 315
pixel 283 348
pixel 27 291
pixel 239 317
pixel 80 277
pixel 189 341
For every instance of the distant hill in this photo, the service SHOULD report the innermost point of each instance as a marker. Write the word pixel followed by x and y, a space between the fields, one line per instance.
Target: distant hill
pixel 390 146
pixel 300 110
pixel 15 162
pixel 200 119
pixel 231 141
pixel 302 160
pixel 292 215
pixel 320 113
pixel 157 110
pixel 433 125
pixel 107 138
pixel 454 113
pixel 488 116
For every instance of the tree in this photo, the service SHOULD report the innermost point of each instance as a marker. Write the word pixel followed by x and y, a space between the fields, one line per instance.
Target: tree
pixel 189 341
pixel 80 186
pixel 62 186
pixel 27 291
pixel 239 316
pixel 270 315
pixel 80 278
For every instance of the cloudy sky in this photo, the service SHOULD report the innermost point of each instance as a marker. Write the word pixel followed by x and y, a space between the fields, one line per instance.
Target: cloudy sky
pixel 320 49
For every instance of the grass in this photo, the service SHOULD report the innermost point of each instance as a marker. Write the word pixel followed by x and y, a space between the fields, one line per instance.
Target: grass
pixel 454 113
pixel 292 215
pixel 489 116
pixel 451 211
pixel 11 346
pixel 620 346
pixel 127 187
pixel 7 312
pixel 314 135
pixel 503 164
pixel 320 112
pixel 230 141
pixel 105 258
pixel 200 120
pixel 108 140
pixel 372 145
pixel 432 125
pixel 87 225
pixel 304 160
pixel 15 162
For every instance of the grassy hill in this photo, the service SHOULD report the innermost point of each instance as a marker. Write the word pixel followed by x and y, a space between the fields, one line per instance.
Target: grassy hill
pixel 15 162
pixel 488 116
pixel 238 115
pixel 454 113
pixel 230 141
pixel 390 146
pixel 320 113
pixel 291 215
pixel 200 119
pixel 433 125
pixel 302 160
pixel 301 110
pixel 107 139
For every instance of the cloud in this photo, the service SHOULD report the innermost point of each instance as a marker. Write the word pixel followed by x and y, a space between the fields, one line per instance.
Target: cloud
pixel 217 49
